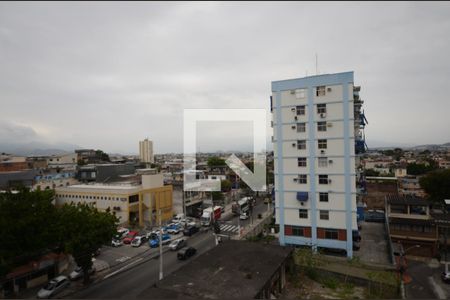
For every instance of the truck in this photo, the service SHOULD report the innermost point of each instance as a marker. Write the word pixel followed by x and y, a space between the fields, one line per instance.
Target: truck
pixel 242 206
pixel 210 213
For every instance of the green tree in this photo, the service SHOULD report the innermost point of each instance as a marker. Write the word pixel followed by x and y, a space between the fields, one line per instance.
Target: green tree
pixel 225 185
pixel 371 172
pixel 216 162
pixel 102 155
pixel 420 169
pixel 85 230
pixel 437 185
pixel 27 227
pixel 217 196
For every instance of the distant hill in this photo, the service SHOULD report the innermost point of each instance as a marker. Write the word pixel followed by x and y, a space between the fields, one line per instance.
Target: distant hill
pixel 434 147
pixel 37 148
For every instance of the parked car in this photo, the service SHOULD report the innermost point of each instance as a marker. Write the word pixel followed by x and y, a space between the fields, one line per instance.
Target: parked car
pixel 177 244
pixel 222 209
pixel 53 287
pixel 122 232
pixel 190 230
pixel 130 236
pixel 174 228
pixel 185 253
pixel 138 241
pixel 78 273
pixel 96 253
pixel 374 216
pixel 178 218
pixel 116 243
pixel 155 242
pixel 356 236
pixel 243 217
pixel 445 276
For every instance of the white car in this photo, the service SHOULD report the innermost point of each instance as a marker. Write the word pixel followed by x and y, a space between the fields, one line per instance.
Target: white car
pixel 53 287
pixel 78 273
pixel 137 241
pixel 243 217
pixel 116 243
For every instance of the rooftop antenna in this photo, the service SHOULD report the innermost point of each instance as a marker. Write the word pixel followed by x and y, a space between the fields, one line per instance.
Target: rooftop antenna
pixel 317 68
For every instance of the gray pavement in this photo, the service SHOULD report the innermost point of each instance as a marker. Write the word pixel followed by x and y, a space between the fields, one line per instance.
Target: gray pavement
pixel 426 282
pixel 373 244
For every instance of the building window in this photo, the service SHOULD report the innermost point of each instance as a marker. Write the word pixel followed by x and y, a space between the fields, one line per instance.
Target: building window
pixel 323 197
pixel 320 91
pixel 321 108
pixel 298 231
pixel 323 162
pixel 322 144
pixel 301 127
pixel 323 179
pixel 300 93
pixel 301 161
pixel 303 213
pixel 321 126
pixel 302 179
pixel 300 110
pixel 324 215
pixel 331 234
pixel 301 144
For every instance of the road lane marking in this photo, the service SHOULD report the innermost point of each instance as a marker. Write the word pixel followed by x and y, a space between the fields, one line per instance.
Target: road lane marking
pixel 123 268
pixel 439 292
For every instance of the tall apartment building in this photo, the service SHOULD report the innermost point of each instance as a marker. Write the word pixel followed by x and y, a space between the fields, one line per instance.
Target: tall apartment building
pixel 317 122
pixel 146 151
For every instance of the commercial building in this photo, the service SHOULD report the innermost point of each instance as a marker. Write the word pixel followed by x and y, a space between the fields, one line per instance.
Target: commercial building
pixel 317 134
pixel 146 151
pixel 131 203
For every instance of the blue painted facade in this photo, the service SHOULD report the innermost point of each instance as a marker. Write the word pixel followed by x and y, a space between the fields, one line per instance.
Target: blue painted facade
pixel 310 83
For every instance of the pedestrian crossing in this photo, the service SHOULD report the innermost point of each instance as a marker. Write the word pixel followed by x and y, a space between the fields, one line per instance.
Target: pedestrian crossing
pixel 229 228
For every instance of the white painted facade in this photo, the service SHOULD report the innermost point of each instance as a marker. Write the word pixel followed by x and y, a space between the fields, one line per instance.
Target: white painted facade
pixel 335 123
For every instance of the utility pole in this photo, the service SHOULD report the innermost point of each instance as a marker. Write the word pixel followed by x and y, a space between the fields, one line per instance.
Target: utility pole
pixel 160 247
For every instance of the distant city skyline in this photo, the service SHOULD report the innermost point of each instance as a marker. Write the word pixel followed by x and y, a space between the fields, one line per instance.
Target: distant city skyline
pixel 128 70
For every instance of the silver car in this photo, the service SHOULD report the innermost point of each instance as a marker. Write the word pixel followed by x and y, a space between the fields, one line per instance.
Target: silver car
pixel 177 244
pixel 53 287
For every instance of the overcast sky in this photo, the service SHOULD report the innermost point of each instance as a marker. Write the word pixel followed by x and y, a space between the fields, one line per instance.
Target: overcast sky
pixel 105 75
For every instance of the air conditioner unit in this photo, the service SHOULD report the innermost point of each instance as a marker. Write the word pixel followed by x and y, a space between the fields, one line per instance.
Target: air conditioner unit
pixel 292 92
pixel 329 89
pixel 322 151
pixel 330 161
pixel 293 144
pixel 293 126
pixel 295 179
pixel 301 203
pixel 323 115
pixel 329 180
pixel 293 109
pixel 329 124
pixel 296 118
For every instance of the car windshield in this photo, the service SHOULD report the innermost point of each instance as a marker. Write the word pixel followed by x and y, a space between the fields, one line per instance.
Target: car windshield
pixel 50 286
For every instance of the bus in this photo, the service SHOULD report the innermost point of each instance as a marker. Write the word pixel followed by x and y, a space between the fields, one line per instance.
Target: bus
pixel 242 206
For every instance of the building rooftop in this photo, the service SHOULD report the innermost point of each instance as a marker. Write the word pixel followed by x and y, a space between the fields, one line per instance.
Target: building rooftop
pixel 104 187
pixel 406 200
pixel 233 269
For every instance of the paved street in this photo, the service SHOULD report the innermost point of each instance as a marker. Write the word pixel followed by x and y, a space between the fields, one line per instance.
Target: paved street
pixel 131 282
pixel 426 282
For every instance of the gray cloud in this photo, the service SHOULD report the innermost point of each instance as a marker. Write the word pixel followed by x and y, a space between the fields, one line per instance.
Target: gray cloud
pixel 105 75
